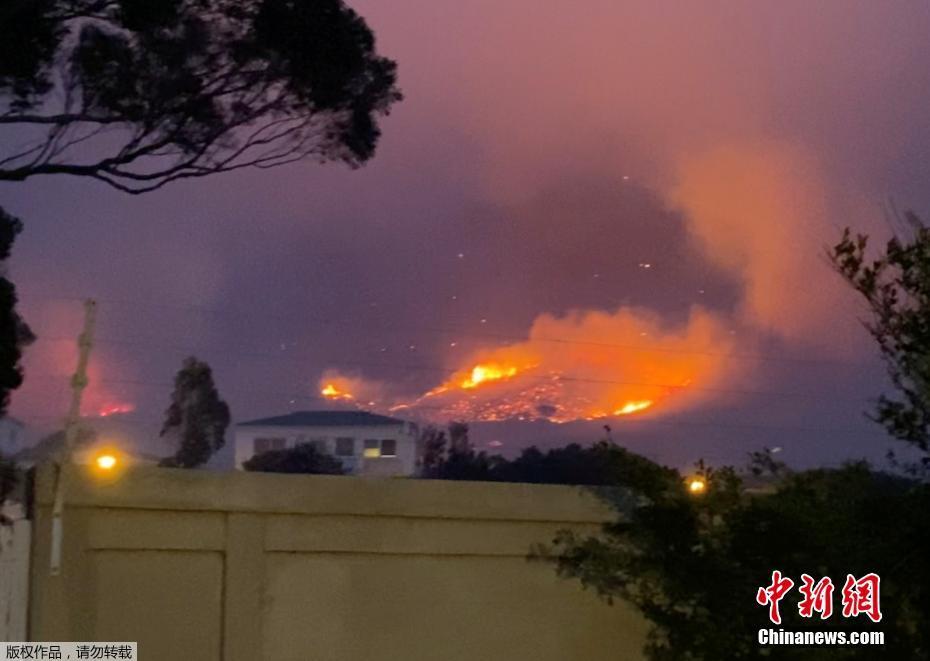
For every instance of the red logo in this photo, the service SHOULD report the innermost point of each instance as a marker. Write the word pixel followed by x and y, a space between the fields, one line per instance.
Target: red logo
pixel 817 598
pixel 860 596
pixel 773 594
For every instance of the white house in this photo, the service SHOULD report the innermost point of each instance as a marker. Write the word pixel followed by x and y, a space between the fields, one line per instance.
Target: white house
pixel 366 443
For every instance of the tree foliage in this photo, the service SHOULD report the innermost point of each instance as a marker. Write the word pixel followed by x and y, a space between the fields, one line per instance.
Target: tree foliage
pixel 302 458
pixel 601 464
pixel 896 288
pixel 9 478
pixel 431 450
pixel 14 332
pixel 197 418
pixel 692 564
pixel 449 455
pixel 138 93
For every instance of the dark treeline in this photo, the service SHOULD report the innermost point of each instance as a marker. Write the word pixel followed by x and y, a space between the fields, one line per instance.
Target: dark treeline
pixel 449 455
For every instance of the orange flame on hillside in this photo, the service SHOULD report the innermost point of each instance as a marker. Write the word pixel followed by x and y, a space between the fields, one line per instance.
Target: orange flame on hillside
pixel 332 391
pixel 115 409
pixel 587 366
pixel 488 372
pixel 633 407
pixel 351 390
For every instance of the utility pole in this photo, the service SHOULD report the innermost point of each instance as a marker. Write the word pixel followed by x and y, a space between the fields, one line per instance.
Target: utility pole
pixel 72 427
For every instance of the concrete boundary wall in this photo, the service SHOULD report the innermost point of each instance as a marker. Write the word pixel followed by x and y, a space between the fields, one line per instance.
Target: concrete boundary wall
pixel 242 566
pixel 15 542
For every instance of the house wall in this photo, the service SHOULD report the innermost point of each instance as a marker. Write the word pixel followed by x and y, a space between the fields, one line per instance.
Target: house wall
pixel 248 566
pixel 12 437
pixel 15 538
pixel 403 464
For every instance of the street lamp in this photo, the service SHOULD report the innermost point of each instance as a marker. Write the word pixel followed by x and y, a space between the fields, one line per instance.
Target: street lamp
pixel 697 485
pixel 106 461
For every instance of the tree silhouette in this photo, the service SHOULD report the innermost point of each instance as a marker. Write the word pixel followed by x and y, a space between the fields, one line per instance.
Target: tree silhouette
pixel 896 287
pixel 601 464
pixel 302 458
pixel 14 333
pixel 692 564
pixel 197 418
pixel 138 93
pixel 432 446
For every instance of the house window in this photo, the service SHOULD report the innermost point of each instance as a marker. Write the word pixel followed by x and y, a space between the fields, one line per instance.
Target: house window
pixel 345 447
pixel 319 444
pixel 372 448
pixel 268 444
pixel 384 448
pixel 388 447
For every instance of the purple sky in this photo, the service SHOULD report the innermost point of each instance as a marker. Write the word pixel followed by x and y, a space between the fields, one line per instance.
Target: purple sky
pixel 556 151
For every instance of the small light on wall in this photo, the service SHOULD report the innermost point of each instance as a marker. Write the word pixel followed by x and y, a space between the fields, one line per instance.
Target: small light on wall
pixel 106 461
pixel 107 464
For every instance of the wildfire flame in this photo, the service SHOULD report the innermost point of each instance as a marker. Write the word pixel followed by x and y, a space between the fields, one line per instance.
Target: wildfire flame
pixel 595 370
pixel 489 372
pixel 115 409
pixel 331 391
pixel 634 407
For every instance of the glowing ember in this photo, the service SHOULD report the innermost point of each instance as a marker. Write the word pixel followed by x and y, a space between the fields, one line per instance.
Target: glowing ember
pixel 489 372
pixel 633 407
pixel 115 409
pixel 331 391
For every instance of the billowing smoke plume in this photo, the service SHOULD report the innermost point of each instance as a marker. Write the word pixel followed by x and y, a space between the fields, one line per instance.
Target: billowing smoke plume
pixel 760 211
pixel 733 115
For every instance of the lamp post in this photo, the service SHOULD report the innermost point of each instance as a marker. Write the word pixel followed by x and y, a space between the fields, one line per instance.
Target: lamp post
pixel 78 383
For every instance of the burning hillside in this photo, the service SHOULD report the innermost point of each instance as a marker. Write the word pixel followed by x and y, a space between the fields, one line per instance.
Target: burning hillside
pixel 583 366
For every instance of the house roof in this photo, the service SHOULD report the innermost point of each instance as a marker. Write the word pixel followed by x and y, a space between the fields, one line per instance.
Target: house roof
pixel 324 419
pixel 52 446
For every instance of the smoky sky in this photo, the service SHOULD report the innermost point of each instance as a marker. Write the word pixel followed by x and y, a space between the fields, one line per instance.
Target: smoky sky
pixel 544 154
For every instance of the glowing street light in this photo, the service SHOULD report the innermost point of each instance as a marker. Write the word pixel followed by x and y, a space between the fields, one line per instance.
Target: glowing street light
pixel 697 485
pixel 106 462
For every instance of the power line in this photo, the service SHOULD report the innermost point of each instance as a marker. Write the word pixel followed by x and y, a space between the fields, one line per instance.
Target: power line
pixel 291 354
pixel 461 332
pixel 614 421
pixel 536 378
